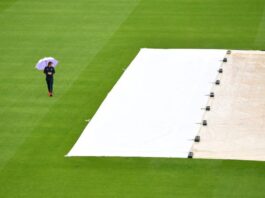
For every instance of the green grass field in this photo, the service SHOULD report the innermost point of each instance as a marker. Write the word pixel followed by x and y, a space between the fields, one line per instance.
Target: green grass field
pixel 94 40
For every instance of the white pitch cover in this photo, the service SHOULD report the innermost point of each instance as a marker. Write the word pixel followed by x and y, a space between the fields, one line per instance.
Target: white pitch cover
pixel 155 107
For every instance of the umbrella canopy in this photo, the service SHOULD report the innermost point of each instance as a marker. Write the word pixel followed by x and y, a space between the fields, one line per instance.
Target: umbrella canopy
pixel 44 62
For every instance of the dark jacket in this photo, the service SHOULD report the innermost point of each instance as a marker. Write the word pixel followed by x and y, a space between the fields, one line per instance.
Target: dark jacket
pixel 49 71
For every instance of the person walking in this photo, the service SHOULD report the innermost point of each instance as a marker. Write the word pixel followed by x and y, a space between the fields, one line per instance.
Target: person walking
pixel 49 71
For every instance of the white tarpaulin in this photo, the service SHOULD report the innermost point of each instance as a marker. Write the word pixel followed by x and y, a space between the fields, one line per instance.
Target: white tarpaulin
pixel 153 109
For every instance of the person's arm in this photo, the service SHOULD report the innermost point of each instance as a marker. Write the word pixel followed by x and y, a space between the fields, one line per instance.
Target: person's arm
pixel 53 71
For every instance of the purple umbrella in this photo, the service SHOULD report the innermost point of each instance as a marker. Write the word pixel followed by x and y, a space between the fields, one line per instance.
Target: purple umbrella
pixel 44 62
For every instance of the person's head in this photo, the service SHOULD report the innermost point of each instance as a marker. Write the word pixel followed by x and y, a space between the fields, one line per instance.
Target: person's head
pixel 49 64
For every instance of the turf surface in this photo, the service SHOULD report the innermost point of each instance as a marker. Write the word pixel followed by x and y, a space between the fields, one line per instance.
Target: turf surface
pixel 94 41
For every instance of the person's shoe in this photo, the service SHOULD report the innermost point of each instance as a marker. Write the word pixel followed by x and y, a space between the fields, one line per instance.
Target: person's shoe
pixel 50 94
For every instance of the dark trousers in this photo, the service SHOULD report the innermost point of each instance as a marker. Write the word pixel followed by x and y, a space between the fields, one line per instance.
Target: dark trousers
pixel 50 84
